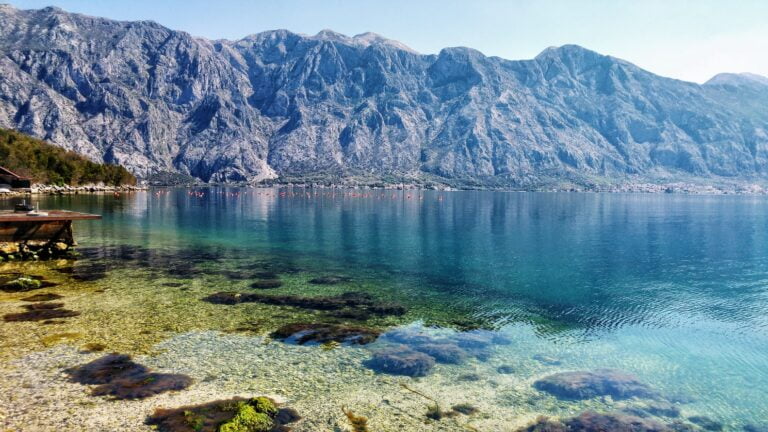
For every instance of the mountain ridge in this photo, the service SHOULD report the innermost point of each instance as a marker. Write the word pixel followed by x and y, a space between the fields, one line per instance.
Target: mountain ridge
pixel 279 104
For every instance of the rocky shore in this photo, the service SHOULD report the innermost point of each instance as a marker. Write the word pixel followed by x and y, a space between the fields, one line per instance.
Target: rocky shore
pixel 34 250
pixel 74 190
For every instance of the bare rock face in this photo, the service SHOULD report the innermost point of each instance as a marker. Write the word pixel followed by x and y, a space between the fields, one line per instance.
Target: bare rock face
pixel 589 384
pixel 282 104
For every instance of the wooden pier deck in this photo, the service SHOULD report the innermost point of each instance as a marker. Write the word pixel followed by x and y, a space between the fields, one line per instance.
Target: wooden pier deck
pixel 55 227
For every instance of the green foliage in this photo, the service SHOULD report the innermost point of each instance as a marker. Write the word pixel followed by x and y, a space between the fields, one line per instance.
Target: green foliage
pixel 49 164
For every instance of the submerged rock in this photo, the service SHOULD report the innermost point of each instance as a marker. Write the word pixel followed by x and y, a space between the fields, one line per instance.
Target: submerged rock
pixel 505 369
pixel 465 409
pixel 663 409
pixel 409 337
pixel 363 304
pixel 480 339
pixel 594 422
pixel 118 376
pixel 547 360
pixel 42 297
pixel 544 424
pixel 142 385
pixel 401 360
pixel 41 312
pixel 18 282
pixel 443 352
pixel 43 306
pixel 330 280
pixel 105 369
pixel 589 384
pixel 706 423
pixel 303 333
pixel 448 348
pixel 470 377
pixel 89 272
pixel 267 284
pixel 258 414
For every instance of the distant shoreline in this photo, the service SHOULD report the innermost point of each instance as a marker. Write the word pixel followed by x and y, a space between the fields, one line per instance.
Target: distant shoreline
pixel 637 188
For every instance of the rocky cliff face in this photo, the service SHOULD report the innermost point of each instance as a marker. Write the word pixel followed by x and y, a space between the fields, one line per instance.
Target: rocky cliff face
pixel 282 104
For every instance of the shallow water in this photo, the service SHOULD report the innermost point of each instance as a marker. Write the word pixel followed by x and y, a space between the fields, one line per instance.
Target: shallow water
pixel 670 288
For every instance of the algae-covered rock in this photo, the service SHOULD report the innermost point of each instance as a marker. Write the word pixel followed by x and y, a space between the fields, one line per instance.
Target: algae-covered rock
pixel 142 385
pixel 589 384
pixel 247 419
pixel 121 378
pixel 264 405
pixel 22 284
pixel 257 414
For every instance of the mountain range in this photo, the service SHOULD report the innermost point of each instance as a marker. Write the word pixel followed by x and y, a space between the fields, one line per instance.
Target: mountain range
pixel 281 105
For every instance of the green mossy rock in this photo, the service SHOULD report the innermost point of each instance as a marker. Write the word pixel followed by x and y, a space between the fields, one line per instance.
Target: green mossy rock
pixel 247 419
pixel 22 284
pixel 264 405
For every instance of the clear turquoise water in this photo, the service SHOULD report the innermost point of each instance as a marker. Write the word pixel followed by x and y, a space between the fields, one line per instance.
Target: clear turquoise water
pixel 672 288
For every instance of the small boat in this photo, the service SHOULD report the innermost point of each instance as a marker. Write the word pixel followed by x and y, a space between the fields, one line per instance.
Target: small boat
pixel 23 207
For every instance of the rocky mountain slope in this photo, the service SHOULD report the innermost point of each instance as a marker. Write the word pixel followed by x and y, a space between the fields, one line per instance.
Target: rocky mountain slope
pixel 280 104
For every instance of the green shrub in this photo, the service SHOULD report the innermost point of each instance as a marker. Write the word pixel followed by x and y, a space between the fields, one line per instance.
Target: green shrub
pixel 48 164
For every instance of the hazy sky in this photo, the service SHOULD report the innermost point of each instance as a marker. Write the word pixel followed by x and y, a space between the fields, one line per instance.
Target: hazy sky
pixel 691 40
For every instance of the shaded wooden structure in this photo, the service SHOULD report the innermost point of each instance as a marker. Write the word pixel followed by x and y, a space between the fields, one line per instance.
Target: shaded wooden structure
pixel 55 227
pixel 14 180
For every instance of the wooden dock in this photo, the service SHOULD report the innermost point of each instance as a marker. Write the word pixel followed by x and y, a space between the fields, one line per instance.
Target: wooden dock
pixel 52 228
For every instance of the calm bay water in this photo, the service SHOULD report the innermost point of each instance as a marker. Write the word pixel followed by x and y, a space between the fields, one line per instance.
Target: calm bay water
pixel 671 288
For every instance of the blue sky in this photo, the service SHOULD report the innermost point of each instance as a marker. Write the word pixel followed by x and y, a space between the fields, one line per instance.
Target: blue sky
pixel 691 40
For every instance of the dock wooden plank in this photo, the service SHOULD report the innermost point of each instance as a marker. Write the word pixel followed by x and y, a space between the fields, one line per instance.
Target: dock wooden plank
pixel 53 216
